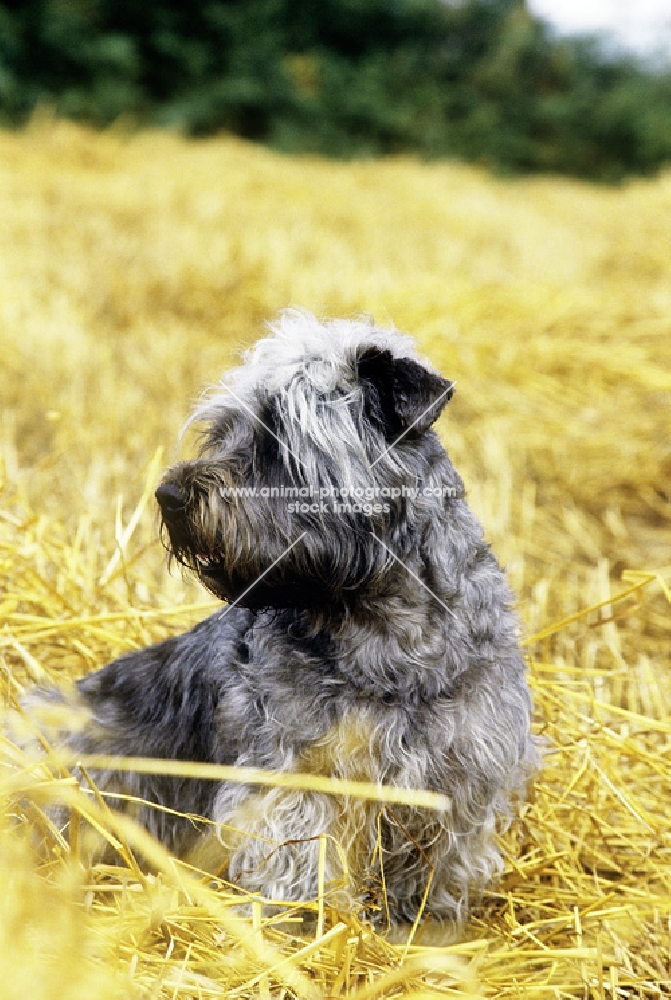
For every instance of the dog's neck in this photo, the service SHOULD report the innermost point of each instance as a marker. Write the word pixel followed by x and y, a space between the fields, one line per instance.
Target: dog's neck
pixel 380 651
pixel 302 597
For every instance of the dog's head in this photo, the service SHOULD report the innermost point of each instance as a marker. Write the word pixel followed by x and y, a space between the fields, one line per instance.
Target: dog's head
pixel 316 459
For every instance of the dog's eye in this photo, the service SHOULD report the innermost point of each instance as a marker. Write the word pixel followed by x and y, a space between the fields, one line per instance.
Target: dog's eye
pixel 266 442
pixel 218 434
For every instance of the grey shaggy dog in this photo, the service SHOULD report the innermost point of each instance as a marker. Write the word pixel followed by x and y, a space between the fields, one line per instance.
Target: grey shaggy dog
pixel 368 635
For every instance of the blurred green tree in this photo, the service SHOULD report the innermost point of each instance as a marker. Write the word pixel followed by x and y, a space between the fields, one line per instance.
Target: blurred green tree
pixel 479 79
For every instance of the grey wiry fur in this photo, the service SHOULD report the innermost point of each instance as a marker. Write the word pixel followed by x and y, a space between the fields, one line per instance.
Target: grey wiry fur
pixel 373 642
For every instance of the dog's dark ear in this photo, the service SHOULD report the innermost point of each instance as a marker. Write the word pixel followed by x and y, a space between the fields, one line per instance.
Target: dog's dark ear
pixel 399 393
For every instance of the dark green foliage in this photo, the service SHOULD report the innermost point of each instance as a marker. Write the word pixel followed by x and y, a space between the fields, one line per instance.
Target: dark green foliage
pixel 478 79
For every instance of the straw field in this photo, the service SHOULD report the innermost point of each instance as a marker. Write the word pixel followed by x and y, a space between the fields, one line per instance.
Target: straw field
pixel 132 270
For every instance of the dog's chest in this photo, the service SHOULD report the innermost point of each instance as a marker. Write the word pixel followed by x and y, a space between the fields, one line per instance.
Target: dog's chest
pixel 298 725
pixel 352 749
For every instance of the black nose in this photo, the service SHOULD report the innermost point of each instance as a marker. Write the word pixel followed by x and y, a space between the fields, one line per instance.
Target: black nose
pixel 170 498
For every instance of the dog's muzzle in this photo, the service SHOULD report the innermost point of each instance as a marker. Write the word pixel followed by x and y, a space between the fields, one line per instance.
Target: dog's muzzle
pixel 171 500
pixel 184 544
pixel 173 505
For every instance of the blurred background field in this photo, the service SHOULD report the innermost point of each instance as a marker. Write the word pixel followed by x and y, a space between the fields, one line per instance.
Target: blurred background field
pixel 133 269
